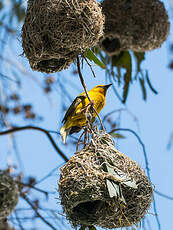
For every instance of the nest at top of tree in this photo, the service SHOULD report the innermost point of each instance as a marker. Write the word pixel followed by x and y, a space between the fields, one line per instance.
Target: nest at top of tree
pixel 57 30
pixel 103 187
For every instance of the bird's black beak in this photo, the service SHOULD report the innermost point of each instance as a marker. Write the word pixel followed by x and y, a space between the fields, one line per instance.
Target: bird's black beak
pixel 107 86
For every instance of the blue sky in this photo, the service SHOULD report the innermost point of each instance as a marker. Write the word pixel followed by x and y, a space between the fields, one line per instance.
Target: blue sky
pixel 154 127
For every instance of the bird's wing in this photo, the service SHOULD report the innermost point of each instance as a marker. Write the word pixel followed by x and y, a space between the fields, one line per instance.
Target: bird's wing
pixel 73 106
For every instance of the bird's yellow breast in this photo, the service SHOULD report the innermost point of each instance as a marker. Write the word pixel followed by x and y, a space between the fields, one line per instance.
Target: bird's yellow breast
pixel 78 117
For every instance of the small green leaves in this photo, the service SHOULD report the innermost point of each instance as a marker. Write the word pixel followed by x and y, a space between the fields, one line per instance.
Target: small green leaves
pixel 139 58
pixel 92 57
pixel 124 60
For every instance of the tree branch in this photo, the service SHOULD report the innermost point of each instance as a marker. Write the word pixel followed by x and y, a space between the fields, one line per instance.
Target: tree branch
pixel 17 129
pixel 163 195
pixel 85 89
pixel 35 210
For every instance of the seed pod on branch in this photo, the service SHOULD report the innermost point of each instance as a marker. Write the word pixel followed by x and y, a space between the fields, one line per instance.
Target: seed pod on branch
pixel 136 25
pixel 103 187
pixel 9 194
pixel 60 29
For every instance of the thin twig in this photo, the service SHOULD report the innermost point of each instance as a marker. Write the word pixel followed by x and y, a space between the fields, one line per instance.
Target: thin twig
pixel 163 195
pixel 85 89
pixel 18 220
pixel 114 111
pixel 46 193
pixel 82 80
pixel 48 175
pixel 90 66
pixel 35 210
pixel 17 129
pixel 77 146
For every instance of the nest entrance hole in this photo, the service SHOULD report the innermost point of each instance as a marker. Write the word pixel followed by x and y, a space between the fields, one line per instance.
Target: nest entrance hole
pixel 88 210
pixel 111 44
pixel 51 63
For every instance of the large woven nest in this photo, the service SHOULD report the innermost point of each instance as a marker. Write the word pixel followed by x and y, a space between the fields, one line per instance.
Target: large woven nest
pixel 9 194
pixel 83 187
pixel 56 29
pixel 136 25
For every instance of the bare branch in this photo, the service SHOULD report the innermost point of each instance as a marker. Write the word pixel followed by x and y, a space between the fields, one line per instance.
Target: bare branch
pixel 163 195
pixel 35 210
pixel 17 129
pixel 85 89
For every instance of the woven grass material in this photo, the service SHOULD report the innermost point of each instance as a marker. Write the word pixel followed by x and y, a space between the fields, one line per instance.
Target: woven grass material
pixel 52 65
pixel 56 29
pixel 84 194
pixel 9 194
pixel 136 25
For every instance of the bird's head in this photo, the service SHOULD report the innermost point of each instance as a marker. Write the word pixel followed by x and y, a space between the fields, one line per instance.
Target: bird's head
pixel 101 88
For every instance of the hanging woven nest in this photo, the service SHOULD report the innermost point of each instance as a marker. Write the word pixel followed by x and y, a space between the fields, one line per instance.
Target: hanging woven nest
pixel 52 65
pixel 9 194
pixel 58 29
pixel 136 25
pixel 103 187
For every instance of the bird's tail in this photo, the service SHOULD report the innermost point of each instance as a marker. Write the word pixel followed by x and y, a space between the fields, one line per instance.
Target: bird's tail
pixel 64 133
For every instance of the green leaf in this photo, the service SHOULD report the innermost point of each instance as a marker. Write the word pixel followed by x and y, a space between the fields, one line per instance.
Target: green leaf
pixel 92 57
pixel 142 84
pixel 139 58
pixel 124 60
pixel 117 135
pixel 149 83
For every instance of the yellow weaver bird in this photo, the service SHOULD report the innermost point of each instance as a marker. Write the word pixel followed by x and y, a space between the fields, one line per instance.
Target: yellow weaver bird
pixel 75 117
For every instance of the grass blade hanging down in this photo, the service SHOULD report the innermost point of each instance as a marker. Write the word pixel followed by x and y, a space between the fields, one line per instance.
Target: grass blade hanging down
pixel 92 57
pixel 140 57
pixel 127 64
pixel 124 61
pixel 142 84
pixel 149 83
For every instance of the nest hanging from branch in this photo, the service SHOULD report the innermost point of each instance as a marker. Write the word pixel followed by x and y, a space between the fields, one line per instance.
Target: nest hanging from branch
pixel 136 25
pixel 103 187
pixel 60 29
pixel 9 194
